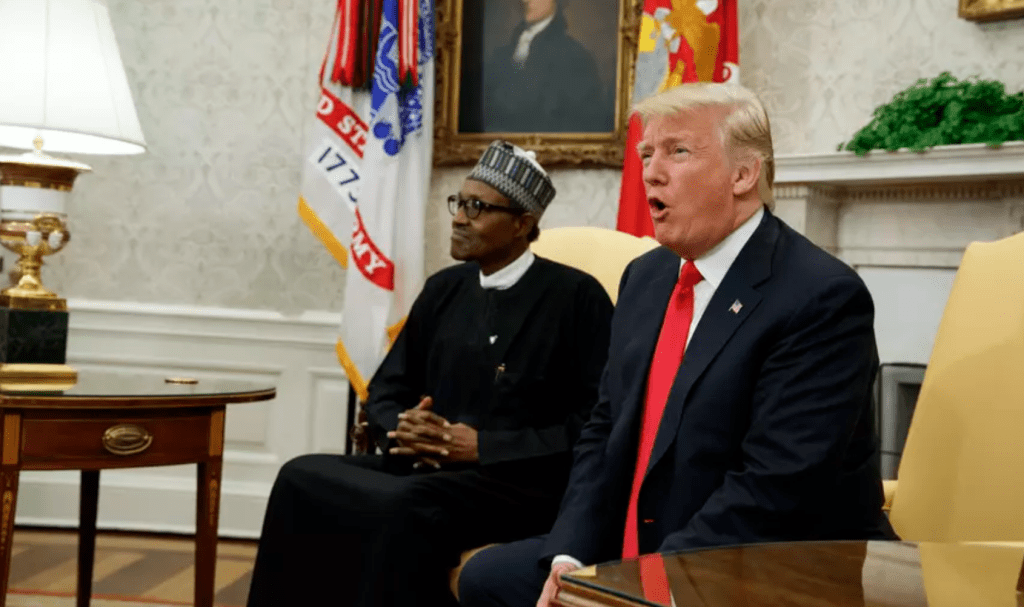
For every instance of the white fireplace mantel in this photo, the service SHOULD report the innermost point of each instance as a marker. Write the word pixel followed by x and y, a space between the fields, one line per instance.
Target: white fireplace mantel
pixel 903 221
pixel 904 209
pixel 974 162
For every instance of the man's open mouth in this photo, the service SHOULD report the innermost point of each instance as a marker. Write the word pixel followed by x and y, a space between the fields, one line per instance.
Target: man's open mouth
pixel 656 204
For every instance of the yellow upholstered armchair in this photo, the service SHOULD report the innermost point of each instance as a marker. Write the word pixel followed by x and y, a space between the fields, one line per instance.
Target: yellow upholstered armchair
pixel 600 252
pixel 960 476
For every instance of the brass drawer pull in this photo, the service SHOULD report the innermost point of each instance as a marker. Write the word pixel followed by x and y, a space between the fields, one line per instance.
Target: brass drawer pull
pixel 126 439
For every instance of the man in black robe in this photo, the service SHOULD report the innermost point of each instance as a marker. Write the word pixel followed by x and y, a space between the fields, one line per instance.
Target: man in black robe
pixel 475 409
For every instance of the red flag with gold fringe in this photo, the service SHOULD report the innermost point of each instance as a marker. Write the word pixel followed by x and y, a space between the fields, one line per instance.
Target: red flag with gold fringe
pixel 680 41
pixel 354 42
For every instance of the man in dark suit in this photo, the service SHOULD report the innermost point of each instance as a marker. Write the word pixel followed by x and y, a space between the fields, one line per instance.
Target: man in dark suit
pixel 735 403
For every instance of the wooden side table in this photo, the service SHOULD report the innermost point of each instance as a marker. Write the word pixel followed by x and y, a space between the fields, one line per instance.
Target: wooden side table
pixel 119 421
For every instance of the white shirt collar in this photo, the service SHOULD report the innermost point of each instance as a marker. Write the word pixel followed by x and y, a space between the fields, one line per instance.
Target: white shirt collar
pixel 510 274
pixel 714 264
pixel 538 27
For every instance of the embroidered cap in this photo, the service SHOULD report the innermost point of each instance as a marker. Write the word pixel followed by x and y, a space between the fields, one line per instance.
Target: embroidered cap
pixel 516 174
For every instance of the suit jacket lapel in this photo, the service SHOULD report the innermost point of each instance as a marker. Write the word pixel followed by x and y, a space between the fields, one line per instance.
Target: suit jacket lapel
pixel 720 320
pixel 650 311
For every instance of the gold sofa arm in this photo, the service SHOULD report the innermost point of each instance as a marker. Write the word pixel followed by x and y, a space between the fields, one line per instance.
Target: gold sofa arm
pixel 889 491
pixel 453 576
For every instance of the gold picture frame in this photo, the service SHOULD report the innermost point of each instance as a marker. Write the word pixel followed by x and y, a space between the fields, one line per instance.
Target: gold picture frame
pixel 991 10
pixel 452 147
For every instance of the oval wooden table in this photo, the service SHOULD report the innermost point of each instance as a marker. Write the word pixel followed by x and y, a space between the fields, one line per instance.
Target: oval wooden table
pixel 112 420
pixel 809 574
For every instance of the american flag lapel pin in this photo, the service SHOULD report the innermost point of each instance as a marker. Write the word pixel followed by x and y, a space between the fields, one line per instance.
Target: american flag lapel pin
pixel 736 307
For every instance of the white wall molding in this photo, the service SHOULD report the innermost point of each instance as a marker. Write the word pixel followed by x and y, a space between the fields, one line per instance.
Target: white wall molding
pixel 294 354
pixel 130 498
pixel 936 191
pixel 314 329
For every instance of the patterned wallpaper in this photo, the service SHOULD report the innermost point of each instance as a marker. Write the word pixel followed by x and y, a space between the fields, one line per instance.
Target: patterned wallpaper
pixel 821 67
pixel 225 90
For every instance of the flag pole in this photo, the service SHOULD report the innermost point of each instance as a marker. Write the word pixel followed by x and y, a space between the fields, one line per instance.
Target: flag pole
pixel 356 433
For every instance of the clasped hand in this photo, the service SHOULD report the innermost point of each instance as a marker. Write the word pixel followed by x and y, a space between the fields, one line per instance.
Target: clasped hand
pixel 432 439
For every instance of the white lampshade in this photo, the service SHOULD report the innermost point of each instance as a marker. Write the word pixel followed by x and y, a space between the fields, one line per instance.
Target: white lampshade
pixel 61 78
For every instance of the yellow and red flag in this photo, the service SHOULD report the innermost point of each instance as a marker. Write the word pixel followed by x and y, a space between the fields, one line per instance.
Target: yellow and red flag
pixel 680 41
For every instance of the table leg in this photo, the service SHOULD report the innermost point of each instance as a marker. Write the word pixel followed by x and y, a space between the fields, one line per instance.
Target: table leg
pixel 10 466
pixel 207 513
pixel 88 499
pixel 9 482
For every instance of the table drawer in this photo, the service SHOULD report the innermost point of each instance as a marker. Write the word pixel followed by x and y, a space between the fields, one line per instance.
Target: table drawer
pixel 111 443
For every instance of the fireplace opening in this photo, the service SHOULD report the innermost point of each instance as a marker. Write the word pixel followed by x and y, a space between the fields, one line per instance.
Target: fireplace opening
pixel 896 389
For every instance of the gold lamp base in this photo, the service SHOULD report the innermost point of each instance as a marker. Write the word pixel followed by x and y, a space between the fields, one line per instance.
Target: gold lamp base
pixel 44 235
pixel 34 319
pixel 33 187
pixel 33 302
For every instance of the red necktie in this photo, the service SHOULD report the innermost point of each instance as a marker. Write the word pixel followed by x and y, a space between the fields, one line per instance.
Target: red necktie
pixel 668 355
pixel 654 580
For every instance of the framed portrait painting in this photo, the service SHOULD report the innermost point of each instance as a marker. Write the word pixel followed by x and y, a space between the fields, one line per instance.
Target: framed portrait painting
pixel 554 76
pixel 991 10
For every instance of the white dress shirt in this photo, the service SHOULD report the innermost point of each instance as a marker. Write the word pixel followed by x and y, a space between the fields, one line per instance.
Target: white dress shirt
pixel 510 274
pixel 714 265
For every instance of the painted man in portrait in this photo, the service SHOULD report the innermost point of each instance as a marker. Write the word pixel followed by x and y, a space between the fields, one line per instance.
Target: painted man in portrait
pixel 543 80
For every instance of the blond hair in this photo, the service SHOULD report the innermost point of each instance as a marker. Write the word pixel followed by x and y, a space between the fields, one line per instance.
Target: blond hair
pixel 745 129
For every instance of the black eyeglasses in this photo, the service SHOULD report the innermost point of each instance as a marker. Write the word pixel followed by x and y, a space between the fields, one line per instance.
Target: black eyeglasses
pixel 474 207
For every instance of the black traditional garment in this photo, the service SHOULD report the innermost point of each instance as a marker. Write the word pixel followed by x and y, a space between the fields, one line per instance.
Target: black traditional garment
pixel 520 365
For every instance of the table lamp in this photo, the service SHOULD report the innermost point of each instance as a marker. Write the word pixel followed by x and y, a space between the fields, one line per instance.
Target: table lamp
pixel 62 89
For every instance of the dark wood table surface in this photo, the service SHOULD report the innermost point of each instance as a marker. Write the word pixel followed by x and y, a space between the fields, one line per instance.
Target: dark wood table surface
pixel 809 574
pixel 119 420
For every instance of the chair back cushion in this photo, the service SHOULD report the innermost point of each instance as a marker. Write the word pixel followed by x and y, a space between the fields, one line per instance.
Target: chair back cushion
pixel 961 477
pixel 600 252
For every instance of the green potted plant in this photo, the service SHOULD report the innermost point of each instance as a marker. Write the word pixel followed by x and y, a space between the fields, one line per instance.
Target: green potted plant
pixel 943 111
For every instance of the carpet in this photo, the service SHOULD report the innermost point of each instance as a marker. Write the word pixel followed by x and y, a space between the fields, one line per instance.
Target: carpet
pixel 29 600
pixel 130 570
